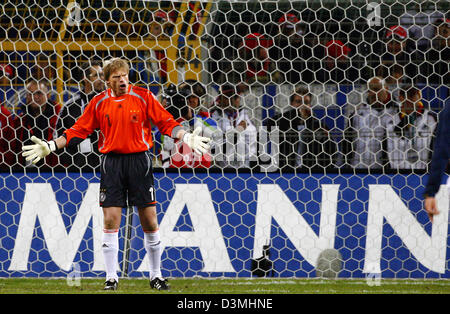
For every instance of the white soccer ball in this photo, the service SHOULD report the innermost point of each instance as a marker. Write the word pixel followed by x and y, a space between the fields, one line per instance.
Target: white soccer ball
pixel 329 264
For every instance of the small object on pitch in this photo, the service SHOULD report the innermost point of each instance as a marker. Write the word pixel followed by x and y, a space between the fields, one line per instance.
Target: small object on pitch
pixel 329 264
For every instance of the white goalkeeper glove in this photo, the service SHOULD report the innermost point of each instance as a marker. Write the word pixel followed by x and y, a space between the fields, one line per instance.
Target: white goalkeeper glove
pixel 197 143
pixel 39 150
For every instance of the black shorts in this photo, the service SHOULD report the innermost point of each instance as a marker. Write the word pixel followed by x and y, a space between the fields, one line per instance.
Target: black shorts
pixel 127 180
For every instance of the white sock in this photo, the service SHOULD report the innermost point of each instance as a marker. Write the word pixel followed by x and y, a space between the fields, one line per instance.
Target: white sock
pixel 152 245
pixel 110 248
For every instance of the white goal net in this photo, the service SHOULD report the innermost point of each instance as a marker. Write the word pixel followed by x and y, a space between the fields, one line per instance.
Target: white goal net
pixel 322 114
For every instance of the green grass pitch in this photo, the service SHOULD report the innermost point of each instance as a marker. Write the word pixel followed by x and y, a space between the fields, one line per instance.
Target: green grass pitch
pixel 228 286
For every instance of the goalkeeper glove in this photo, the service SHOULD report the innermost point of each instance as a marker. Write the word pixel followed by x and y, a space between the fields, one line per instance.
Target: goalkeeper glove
pixel 39 150
pixel 198 144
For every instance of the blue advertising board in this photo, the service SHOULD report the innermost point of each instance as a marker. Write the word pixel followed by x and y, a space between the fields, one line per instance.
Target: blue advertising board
pixel 214 224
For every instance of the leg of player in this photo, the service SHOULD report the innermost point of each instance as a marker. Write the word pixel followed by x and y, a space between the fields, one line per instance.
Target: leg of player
pixel 110 245
pixel 152 244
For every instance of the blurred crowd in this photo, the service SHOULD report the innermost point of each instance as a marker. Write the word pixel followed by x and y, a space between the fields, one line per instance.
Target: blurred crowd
pixel 391 129
pixel 306 53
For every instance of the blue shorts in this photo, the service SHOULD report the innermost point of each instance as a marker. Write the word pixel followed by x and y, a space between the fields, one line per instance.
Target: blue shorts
pixel 127 180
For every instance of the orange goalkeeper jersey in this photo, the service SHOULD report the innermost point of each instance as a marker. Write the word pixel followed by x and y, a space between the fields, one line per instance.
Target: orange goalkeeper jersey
pixel 124 121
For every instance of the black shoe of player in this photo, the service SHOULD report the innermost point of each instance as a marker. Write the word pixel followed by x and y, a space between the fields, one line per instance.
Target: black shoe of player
pixel 159 284
pixel 111 284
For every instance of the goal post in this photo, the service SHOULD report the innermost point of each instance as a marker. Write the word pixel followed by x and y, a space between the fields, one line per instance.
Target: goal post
pixel 314 148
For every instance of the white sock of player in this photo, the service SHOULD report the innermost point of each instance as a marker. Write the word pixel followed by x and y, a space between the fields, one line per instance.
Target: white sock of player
pixel 152 245
pixel 110 248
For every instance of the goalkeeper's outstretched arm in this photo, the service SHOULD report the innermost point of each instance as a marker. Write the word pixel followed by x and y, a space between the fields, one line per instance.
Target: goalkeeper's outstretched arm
pixel 40 149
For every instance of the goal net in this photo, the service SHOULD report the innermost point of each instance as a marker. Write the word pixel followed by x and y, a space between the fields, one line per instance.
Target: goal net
pixel 322 115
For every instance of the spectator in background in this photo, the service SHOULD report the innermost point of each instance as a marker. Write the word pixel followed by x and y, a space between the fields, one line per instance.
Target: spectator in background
pixel 166 94
pixel 165 97
pixel 394 77
pixel 85 156
pixel 396 40
pixel 364 41
pixel 197 10
pixel 38 117
pixel 196 92
pixel 291 29
pixel 154 60
pixel 396 52
pixel 337 68
pixel 43 70
pixel 441 38
pixel 410 136
pixel 238 147
pixel 5 116
pixel 438 56
pixel 162 24
pixel 305 141
pixel 256 64
pixel 6 77
pixel 419 23
pixel 183 105
pixel 292 50
pixel 364 145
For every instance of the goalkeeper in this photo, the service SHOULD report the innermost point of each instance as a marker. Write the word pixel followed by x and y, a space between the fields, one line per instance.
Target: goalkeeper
pixel 124 114
pixel 439 162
